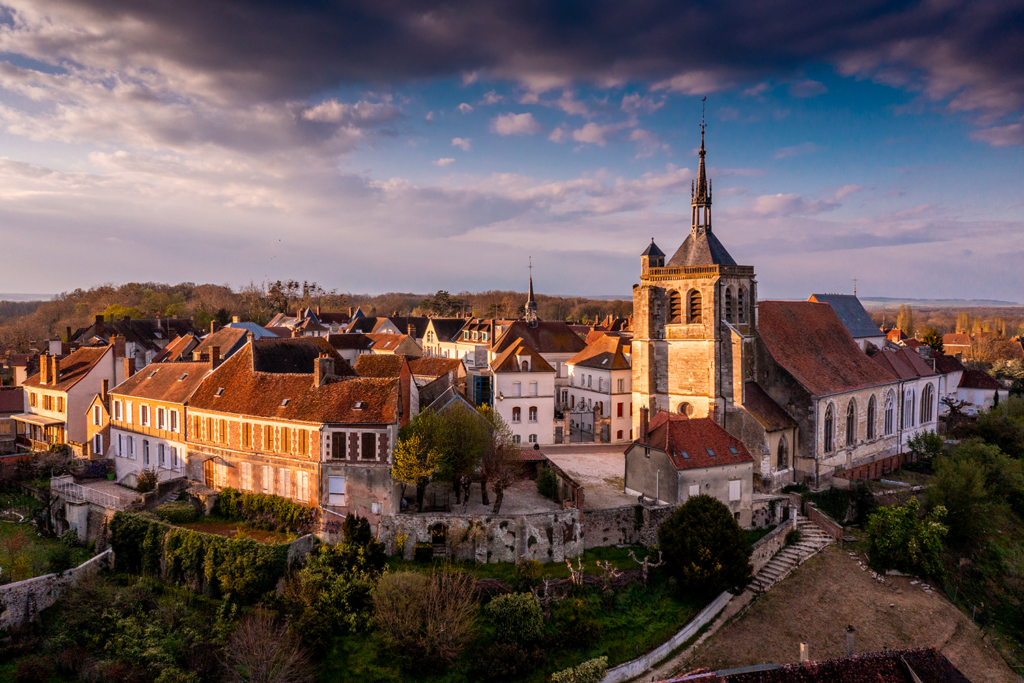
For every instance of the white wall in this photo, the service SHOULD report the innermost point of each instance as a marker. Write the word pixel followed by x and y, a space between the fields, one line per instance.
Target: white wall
pixel 544 427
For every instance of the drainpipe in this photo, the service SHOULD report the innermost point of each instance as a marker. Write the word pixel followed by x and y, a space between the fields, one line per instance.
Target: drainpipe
pixel 817 461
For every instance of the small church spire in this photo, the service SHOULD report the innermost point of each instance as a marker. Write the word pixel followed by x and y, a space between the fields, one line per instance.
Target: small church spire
pixel 531 304
pixel 700 218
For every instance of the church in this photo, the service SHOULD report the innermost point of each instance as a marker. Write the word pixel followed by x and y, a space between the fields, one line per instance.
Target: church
pixel 785 377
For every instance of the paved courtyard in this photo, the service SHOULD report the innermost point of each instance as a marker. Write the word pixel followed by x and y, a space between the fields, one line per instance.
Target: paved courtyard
pixel 599 467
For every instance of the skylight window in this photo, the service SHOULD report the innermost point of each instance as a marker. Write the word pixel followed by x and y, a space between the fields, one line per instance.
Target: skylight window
pixel 686 456
pixel 285 402
pixel 604 361
pixel 153 374
pixel 710 452
pixel 219 391
pixel 732 449
pixel 360 405
pixel 182 378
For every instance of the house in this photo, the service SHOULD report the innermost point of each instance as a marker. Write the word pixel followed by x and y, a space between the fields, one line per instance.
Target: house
pixel 21 366
pixel 394 343
pixel 12 402
pixel 148 428
pixel 601 377
pixel 677 457
pixel 957 344
pixel 524 393
pixel 917 392
pixel 226 340
pixel 350 346
pixel 472 344
pixel 855 319
pixel 290 417
pixel 143 338
pixel 97 425
pixel 396 324
pixel 434 376
pixel 57 399
pixel 443 338
pixel 258 331
pixel 950 371
pixel 179 349
pixel 553 340
pixel 393 366
pixel 979 389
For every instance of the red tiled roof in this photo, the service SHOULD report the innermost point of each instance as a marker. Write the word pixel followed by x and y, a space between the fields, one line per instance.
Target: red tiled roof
pixel 686 441
pixel 170 382
pixel 946 364
pixel 279 331
pixel 956 339
pixel 905 363
pixel 433 367
pixel 73 368
pixel 547 337
pixel 895 335
pixel 976 379
pixel 179 348
pixel 594 335
pixel 262 394
pixel 228 339
pixel 12 399
pixel 511 360
pixel 376 365
pixel 812 344
pixel 606 353
pixel 386 342
pixel 764 408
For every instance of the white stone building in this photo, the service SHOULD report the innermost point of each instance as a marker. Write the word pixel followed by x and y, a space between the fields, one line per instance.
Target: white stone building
pixel 600 376
pixel 524 393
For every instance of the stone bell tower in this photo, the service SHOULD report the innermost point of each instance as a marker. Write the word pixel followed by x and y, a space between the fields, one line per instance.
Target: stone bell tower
pixel 694 322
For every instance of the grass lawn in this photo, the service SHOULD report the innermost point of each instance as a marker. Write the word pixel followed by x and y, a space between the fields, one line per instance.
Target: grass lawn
pixel 234 529
pixel 755 535
pixel 24 554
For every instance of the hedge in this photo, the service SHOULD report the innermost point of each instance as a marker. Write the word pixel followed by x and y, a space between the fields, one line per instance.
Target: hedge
pixel 211 564
pixel 178 512
pixel 266 511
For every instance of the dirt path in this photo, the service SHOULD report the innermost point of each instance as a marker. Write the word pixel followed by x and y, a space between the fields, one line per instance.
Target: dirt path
pixel 817 602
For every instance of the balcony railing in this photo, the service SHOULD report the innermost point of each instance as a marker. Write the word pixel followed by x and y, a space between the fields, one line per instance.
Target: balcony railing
pixel 77 493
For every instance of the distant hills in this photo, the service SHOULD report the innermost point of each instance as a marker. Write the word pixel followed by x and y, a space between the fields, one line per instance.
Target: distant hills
pixel 21 296
pixel 892 302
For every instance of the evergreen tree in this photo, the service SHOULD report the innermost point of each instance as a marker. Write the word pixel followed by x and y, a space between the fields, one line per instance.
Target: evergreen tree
pixel 932 338
pixel 704 547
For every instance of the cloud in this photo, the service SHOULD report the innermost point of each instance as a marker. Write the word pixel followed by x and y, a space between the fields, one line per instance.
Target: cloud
pixel 465 108
pixel 443 162
pixel 1000 136
pixel 635 103
pixel 462 143
pixel 796 150
pixel 491 97
pixel 699 82
pixel 362 112
pixel 807 88
pixel 728 114
pixel 788 205
pixel 648 143
pixel 757 90
pixel 560 134
pixel 847 190
pixel 515 124
pixel 594 134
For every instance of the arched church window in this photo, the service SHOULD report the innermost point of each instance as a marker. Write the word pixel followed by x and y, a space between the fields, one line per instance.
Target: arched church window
pixel 890 407
pixel 782 456
pixel 728 305
pixel 675 307
pixel 830 428
pixel 741 301
pixel 871 418
pixel 851 423
pixel 908 409
pixel 694 309
pixel 926 404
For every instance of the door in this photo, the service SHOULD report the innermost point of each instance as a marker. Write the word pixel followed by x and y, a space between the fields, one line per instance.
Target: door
pixel 208 474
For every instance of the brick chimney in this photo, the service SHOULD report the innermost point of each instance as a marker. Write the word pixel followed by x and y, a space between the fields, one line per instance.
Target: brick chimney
pixel 105 391
pixel 411 329
pixel 250 337
pixel 54 370
pixel 118 342
pixel 235 319
pixel 645 414
pixel 318 310
pixel 323 370
pixel 213 326
pixel 214 357
pixel 67 336
pixel 44 369
pixel 129 367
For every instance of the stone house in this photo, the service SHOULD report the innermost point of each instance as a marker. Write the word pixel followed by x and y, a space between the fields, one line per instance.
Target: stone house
pixel 524 393
pixel 553 340
pixel 979 389
pixel 601 377
pixel 290 417
pixel 227 340
pixel 957 344
pixel 148 428
pixel 434 376
pixel 677 457
pixel 774 431
pixel 393 366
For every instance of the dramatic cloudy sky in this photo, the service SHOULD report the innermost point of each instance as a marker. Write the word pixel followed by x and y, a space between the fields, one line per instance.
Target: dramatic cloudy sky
pixel 394 145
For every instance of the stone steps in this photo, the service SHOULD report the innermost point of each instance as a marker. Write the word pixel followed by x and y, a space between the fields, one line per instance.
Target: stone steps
pixel 812 540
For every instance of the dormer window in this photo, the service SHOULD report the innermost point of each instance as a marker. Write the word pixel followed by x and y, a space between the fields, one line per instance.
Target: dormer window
pixel 686 456
pixel 152 374
pixel 732 449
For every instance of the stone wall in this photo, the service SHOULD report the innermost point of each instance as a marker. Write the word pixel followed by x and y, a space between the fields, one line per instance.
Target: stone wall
pixel 628 525
pixel 766 547
pixel 768 511
pixel 21 601
pixel 827 524
pixel 545 537
pixel 300 547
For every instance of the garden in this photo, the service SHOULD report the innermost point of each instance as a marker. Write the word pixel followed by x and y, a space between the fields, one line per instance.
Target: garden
pixel 25 552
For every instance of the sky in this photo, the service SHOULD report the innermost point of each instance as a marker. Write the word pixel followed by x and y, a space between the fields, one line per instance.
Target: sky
pixel 390 145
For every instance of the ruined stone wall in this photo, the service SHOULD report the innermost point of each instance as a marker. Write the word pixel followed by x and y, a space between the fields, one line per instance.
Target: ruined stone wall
pixel 628 525
pixel 21 601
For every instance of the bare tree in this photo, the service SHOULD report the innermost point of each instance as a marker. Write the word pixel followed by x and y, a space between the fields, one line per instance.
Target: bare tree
pixel 260 651
pixel 501 464
pixel 646 565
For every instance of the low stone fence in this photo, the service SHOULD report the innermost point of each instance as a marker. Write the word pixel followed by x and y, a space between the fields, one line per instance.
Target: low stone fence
pixel 21 601
pixel 545 537
pixel 635 667
pixel 627 525
pixel 827 524
pixel 766 546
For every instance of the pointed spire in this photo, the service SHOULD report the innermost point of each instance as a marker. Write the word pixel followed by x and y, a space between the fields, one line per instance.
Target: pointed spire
pixel 531 304
pixel 701 193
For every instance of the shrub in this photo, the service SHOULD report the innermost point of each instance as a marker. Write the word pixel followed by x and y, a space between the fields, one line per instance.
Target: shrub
pixel 527 575
pixel 547 482
pixel 178 512
pixel 60 559
pixel 95 469
pixel 926 445
pixel 265 511
pixel 69 538
pixel 575 623
pixel 146 481
pixel 899 539
pixel 704 547
pixel 423 552
pixel 260 650
pixel 795 488
pixel 504 661
pixel 33 669
pixel 834 502
pixel 517 618
pixel 793 537
pixel 588 672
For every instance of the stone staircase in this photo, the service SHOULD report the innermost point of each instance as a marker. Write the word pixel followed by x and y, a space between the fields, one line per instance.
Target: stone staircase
pixel 812 540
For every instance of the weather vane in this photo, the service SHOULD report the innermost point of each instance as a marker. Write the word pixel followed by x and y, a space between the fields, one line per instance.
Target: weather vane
pixel 702 111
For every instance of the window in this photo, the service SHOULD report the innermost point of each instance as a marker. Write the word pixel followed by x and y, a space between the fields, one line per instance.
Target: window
pixel 174 421
pixel 851 423
pixel 734 490
pixel 268 437
pixel 32 399
pixel 267 479
pixel 741 296
pixel 533 438
pixel 117 410
pixel 618 408
pixel 335 490
pixel 782 454
pixel 174 458
pixel 889 407
pixel 621 386
pixel 830 425
pixel 161 418
pixel 131 447
pixel 524 366
pixel 590 381
pixel 369 446
pixel 695 489
pixel 129 412
pixel 161 455
pixel 926 404
pixel 600 408
pixel 517 439
pixel 120 445
pixel 283 479
pixel 533 388
pixel 871 419
pixel 618 435
pixel 694 308
pixel 197 427
pixel 517 389
pixel 517 414
pixel 97 444
pixel 302 486
pixel 908 409
pixel 338 445
pixel 728 304
pixel 675 307
pixel 97 415
pixel 246 435
pixel 286 440
pixel 209 429
pixel 145 452
pixel 303 443
pixel 245 476
pixel 47 402
pixel 144 415
pixel 60 404
pixel 533 413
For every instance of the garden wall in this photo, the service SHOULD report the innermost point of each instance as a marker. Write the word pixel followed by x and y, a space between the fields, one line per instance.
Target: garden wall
pixel 628 525
pixel 545 537
pixel 766 546
pixel 827 524
pixel 21 601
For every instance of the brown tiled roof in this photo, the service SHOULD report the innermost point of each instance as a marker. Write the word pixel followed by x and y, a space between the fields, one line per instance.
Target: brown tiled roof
pixel 333 318
pixel 687 441
pixel 946 364
pixel 228 339
pixel 142 331
pixel 73 368
pixel 605 353
pixel 874 667
pixel 386 342
pixel 976 379
pixel 594 335
pixel 764 409
pixel 956 339
pixel 295 355
pixel 379 365
pixel 905 363
pixel 912 343
pixel 811 343
pixel 12 399
pixel 262 394
pixel 171 382
pixel 433 367
pixel 279 331
pixel 547 337
pixel 511 360
pixel 350 340
pixel 179 348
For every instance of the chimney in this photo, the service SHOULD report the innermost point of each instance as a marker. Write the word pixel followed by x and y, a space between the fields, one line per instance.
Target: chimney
pixel 129 367
pixel 250 337
pixel 318 310
pixel 805 653
pixel 54 370
pixel 849 640
pixel 67 336
pixel 323 370
pixel 713 412
pixel 645 414
pixel 44 369
pixel 118 342
pixel 196 356
pixel 411 329
pixel 296 332
pixel 127 319
pixel 213 326
pixel 214 357
pixel 106 390
pixel 350 312
pixel 99 319
pixel 235 319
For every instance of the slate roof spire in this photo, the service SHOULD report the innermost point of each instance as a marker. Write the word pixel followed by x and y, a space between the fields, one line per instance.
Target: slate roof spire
pixel 531 304
pixel 700 195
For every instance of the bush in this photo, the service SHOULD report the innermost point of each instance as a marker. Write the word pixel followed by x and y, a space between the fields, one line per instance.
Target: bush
pixel 517 618
pixel 60 559
pixel 260 650
pixel 69 538
pixel 178 512
pixel 95 469
pixel 146 481
pixel 575 625
pixel 795 488
pixel 834 502
pixel 899 539
pixel 704 547
pixel 503 661
pixel 423 552
pixel 587 672
pixel 926 445
pixel 33 669
pixel 265 511
pixel 527 575
pixel 793 537
pixel 547 482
